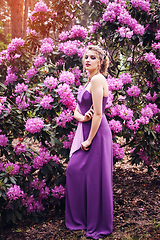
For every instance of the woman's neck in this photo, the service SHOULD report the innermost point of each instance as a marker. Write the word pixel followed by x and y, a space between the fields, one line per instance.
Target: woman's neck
pixel 93 73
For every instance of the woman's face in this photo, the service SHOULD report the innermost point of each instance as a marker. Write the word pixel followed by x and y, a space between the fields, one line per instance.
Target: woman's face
pixel 91 61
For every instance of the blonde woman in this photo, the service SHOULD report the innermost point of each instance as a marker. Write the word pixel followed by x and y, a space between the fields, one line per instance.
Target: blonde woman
pixel 89 200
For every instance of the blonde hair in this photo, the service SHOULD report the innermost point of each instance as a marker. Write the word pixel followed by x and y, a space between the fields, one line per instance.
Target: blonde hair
pixel 103 58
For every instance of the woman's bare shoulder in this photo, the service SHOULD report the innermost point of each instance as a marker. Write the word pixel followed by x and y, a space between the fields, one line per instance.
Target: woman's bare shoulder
pixel 98 78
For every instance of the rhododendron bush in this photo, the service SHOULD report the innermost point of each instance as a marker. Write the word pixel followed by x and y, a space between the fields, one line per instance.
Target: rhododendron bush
pixel 40 79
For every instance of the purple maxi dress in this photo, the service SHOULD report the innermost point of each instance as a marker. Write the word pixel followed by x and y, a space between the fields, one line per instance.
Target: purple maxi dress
pixel 89 199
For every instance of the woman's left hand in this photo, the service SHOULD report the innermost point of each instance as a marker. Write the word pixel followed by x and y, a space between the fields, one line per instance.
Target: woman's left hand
pixel 85 146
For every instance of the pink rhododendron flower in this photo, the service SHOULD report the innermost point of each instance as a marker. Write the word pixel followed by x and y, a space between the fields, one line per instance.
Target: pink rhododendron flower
pixel 25 168
pixel 45 102
pixel 20 148
pixel 64 117
pixel 115 126
pixel 58 192
pixel 12 168
pixel 124 112
pixel 46 48
pixel 67 77
pixel 144 157
pixel 31 72
pixel 133 125
pixel 56 159
pixel 157 128
pixel 157 35
pixel 34 125
pixel 151 58
pixel 20 88
pixel 48 41
pixel 66 96
pixel 10 78
pixel 50 82
pixel 118 152
pixel 40 7
pixel 14 193
pixel 15 44
pixel 114 83
pixel 133 91
pixel 68 144
pixel 125 32
pixel 110 99
pixel 63 36
pixel 78 31
pixel 150 98
pixel 21 102
pixel 43 194
pixel 147 112
pixel 37 184
pixel 69 47
pixel 3 140
pixel 39 61
pixel 144 5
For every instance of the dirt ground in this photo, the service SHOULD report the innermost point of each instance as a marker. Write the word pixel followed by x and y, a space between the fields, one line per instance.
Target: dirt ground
pixel 136 211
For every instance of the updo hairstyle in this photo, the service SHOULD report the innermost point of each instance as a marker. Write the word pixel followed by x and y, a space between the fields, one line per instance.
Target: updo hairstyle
pixel 103 57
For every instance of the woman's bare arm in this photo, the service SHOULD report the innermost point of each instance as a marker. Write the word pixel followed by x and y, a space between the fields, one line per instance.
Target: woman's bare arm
pixel 97 98
pixel 83 118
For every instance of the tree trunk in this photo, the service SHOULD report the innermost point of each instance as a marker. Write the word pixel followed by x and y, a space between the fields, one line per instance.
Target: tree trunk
pixel 25 17
pixel 85 17
pixel 16 18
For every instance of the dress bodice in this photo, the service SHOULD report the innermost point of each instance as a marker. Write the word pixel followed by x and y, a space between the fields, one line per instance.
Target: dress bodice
pixel 84 99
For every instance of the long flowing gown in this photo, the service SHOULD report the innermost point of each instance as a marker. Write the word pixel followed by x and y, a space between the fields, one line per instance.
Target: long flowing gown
pixel 89 198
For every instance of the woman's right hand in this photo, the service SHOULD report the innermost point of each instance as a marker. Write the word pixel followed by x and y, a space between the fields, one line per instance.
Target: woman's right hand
pixel 89 114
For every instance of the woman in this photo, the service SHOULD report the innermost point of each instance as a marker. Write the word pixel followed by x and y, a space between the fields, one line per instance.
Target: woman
pixel 89 202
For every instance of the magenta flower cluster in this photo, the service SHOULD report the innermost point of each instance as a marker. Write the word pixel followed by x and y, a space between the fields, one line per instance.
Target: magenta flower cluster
pixel 3 140
pixel 125 78
pixel 10 78
pixel 122 111
pixel 76 31
pixel 68 144
pixel 58 192
pixel 157 35
pixel 66 96
pixel 133 91
pixel 21 102
pixel 70 47
pixel 15 44
pixel 64 117
pixel 12 168
pixel 34 125
pixel 118 152
pixel 114 83
pixel 67 77
pixel 117 10
pixel 50 82
pixel 31 72
pixel 150 98
pixel 77 73
pixel 20 88
pixel 20 148
pixel 14 192
pixel 115 126
pixel 125 32
pixel 151 58
pixel 144 5
pixel 39 61
pixel 47 46
pixel 39 10
pixel 45 102
pixel 43 158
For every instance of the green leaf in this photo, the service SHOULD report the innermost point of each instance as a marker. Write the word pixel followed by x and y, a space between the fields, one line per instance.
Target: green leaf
pixel 13 217
pixel 18 214
pixel 12 179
